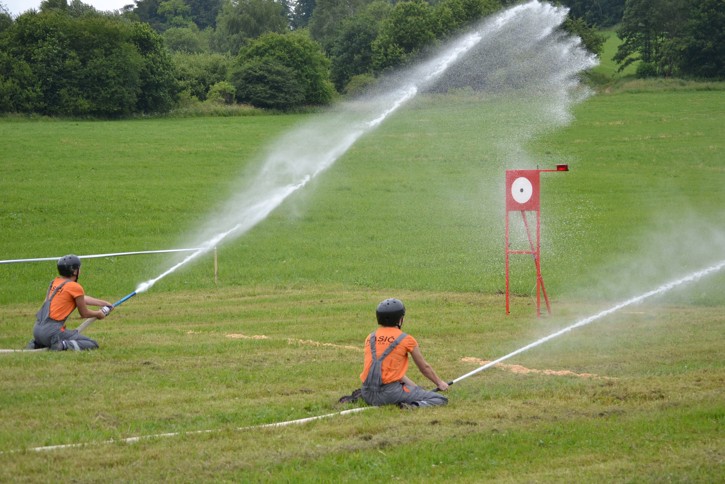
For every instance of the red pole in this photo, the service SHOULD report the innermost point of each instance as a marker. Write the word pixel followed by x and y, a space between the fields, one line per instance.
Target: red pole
pixel 538 261
pixel 536 253
pixel 507 262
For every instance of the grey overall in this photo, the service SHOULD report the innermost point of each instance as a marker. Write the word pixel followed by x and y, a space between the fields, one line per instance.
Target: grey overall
pixel 374 392
pixel 48 332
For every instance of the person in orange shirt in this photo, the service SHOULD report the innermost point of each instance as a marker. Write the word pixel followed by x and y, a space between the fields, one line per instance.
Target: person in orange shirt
pixel 65 295
pixel 386 362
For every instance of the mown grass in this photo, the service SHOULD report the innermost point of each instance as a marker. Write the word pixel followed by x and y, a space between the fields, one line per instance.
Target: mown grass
pixel 414 210
pixel 651 409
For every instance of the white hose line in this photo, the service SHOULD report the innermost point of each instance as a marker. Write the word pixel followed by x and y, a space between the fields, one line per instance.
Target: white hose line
pixel 133 440
pixel 97 256
pixel 660 290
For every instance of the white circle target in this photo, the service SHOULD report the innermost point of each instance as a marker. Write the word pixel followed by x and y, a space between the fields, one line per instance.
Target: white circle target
pixel 522 190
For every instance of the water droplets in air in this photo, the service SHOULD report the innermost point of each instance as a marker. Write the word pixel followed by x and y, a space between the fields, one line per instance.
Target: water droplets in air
pixel 519 49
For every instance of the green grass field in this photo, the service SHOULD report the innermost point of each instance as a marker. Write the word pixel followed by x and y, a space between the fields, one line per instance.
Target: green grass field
pixel 413 210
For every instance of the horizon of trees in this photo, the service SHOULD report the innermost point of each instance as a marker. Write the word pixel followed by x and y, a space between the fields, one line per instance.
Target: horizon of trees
pixel 67 58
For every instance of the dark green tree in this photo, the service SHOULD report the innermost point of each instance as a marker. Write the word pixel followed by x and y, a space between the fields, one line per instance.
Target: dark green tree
pixel 165 14
pixel 223 92
pixel 19 89
pixel 326 20
pixel 147 11
pixel 76 8
pixel 602 13
pixel 451 15
pixel 410 27
pixel 302 13
pixel 158 90
pixel 382 35
pixel 703 45
pixel 650 33
pixel 71 66
pixel 96 64
pixel 176 13
pixel 187 39
pixel 204 12
pixel 53 5
pixel 351 52
pixel 5 19
pixel 282 71
pixel 197 73
pixel 270 85
pixel 592 40
pixel 242 20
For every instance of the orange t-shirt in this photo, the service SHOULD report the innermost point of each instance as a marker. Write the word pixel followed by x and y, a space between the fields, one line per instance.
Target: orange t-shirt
pixel 65 301
pixel 395 365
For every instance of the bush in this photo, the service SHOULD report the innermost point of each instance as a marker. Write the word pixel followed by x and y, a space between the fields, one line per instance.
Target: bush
pixel 97 65
pixel 268 85
pixel 186 39
pixel 646 70
pixel 282 71
pixel 410 27
pixel 360 84
pixel 158 88
pixel 197 73
pixel 221 93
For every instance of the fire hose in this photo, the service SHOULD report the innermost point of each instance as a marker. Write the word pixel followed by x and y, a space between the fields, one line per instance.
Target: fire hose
pixel 88 321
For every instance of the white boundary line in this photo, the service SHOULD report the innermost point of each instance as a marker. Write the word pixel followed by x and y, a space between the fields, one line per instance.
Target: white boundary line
pixel 22 350
pixel 133 440
pixel 664 288
pixel 96 256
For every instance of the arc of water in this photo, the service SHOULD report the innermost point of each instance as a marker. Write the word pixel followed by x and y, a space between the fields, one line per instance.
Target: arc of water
pixel 286 171
pixel 425 74
pixel 654 292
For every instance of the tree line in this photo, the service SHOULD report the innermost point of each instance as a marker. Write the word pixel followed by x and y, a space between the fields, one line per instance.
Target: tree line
pixel 153 55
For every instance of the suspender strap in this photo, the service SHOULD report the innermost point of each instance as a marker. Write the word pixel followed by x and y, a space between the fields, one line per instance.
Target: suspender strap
pixel 43 314
pixel 56 290
pixel 48 293
pixel 388 350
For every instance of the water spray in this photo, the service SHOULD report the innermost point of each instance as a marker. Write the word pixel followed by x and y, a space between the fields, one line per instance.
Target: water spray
pixel 660 290
pixel 303 154
pixel 540 58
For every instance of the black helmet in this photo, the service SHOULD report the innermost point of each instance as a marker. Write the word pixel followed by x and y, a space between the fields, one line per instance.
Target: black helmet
pixel 68 264
pixel 390 311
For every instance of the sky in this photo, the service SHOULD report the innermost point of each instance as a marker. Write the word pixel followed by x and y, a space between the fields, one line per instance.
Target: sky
pixel 16 7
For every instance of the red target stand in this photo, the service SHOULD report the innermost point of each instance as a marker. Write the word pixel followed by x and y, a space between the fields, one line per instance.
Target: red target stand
pixel 523 195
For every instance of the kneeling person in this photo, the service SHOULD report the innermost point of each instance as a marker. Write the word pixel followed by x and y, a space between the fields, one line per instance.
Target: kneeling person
pixel 63 297
pixel 386 363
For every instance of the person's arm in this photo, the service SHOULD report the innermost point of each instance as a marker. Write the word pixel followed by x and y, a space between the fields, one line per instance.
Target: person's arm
pixel 427 370
pixel 92 301
pixel 85 312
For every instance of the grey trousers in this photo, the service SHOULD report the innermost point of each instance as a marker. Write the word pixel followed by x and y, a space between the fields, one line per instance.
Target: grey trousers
pixel 397 392
pixel 49 335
